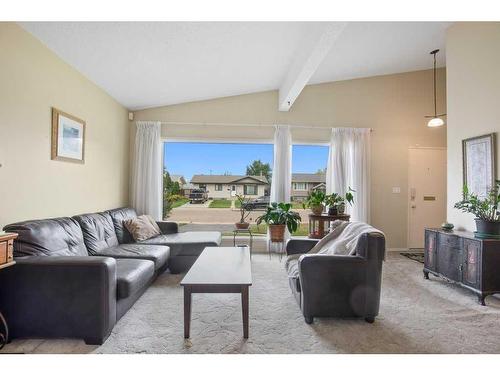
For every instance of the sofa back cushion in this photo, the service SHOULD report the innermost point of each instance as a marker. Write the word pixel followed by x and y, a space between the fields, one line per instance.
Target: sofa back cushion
pixel 48 237
pixel 119 215
pixel 98 231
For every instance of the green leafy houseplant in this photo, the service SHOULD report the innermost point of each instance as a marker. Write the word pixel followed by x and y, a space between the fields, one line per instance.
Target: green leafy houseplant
pixel 484 209
pixel 277 217
pixel 242 224
pixel 336 202
pixel 315 201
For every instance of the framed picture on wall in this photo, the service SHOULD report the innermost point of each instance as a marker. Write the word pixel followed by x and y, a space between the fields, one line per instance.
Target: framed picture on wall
pixel 479 163
pixel 68 137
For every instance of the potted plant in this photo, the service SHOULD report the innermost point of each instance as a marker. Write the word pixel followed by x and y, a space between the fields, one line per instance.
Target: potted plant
pixel 277 217
pixel 336 202
pixel 242 224
pixel 484 209
pixel 315 201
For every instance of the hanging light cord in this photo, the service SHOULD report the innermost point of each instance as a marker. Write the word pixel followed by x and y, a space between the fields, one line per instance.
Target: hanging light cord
pixel 435 100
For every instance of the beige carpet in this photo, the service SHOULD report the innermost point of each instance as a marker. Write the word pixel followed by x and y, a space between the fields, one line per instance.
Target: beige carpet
pixel 417 316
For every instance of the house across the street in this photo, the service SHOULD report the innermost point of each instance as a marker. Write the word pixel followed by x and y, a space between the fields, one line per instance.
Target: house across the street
pixel 225 186
pixel 304 183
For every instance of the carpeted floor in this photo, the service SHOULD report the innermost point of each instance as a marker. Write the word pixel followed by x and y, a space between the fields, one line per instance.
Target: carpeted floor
pixel 417 316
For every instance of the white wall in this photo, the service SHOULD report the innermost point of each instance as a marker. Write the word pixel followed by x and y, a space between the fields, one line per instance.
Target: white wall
pixel 473 86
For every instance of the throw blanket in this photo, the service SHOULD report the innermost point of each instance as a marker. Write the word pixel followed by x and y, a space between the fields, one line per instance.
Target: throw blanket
pixel 342 240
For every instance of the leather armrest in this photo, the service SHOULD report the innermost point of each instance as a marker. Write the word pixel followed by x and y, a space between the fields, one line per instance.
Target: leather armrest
pixel 60 296
pixel 168 227
pixel 317 270
pixel 300 246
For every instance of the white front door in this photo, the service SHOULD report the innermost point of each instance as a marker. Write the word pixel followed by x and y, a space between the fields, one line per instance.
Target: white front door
pixel 233 190
pixel 426 192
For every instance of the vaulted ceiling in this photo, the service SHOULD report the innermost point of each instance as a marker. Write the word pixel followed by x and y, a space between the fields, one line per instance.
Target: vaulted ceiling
pixel 148 64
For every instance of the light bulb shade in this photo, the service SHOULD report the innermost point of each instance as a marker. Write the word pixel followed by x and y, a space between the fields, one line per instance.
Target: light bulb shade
pixel 435 122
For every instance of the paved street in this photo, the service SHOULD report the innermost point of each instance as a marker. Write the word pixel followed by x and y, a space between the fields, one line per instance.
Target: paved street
pixel 198 214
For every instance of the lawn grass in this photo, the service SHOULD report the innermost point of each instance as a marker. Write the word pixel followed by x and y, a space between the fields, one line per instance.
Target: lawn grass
pixel 261 230
pixel 220 203
pixel 237 204
pixel 179 202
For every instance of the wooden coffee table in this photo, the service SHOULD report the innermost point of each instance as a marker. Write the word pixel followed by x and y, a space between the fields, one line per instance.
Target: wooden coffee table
pixel 219 270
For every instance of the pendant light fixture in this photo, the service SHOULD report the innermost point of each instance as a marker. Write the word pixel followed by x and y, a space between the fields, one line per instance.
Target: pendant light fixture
pixel 436 119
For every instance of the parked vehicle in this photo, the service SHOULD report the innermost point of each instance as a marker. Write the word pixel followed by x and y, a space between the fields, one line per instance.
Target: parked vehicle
pixel 198 196
pixel 260 202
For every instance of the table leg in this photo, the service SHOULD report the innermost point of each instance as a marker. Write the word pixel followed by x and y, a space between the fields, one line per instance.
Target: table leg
pixel 187 311
pixel 244 308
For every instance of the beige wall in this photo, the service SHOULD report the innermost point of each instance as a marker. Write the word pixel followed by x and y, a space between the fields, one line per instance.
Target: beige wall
pixel 473 65
pixel 394 106
pixel 32 80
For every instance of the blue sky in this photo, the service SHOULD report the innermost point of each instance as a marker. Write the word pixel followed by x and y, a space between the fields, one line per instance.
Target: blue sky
pixel 188 159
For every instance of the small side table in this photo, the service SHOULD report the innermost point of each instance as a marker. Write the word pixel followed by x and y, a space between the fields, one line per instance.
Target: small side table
pixel 6 260
pixel 319 224
pixel 238 231
pixel 278 246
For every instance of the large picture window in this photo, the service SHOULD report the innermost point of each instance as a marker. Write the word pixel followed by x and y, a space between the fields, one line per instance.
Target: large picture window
pixel 218 187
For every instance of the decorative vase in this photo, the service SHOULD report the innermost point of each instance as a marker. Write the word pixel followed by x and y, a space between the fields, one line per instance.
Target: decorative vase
pixel 332 211
pixel 485 227
pixel 241 225
pixel 277 232
pixel 341 209
pixel 317 210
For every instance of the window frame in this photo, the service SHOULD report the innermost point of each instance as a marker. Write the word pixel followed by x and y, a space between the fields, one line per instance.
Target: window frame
pixel 255 186
pixel 216 187
pixel 295 186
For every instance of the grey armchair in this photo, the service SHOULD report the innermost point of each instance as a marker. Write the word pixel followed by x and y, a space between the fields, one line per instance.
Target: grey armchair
pixel 335 285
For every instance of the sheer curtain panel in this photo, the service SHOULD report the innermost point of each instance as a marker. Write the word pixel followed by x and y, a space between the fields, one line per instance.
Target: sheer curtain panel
pixel 146 186
pixel 349 166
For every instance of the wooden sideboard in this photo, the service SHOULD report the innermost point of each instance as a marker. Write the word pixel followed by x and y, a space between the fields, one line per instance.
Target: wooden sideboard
pixel 460 257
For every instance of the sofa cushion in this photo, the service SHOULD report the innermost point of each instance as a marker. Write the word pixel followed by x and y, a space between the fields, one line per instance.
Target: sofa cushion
pixel 156 253
pixel 185 243
pixel 118 215
pixel 48 237
pixel 141 227
pixel 132 275
pixel 98 231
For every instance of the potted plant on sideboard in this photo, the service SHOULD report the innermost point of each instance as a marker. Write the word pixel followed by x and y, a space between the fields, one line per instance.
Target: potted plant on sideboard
pixel 244 212
pixel 315 201
pixel 277 217
pixel 485 210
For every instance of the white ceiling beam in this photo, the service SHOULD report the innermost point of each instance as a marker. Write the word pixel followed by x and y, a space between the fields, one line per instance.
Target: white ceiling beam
pixel 304 66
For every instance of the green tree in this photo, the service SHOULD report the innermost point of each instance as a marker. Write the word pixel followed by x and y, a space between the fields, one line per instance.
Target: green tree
pixel 171 191
pixel 258 168
pixel 321 171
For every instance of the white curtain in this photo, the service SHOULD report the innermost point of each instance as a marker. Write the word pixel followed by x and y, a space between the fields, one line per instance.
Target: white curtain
pixel 282 169
pixel 147 170
pixel 349 166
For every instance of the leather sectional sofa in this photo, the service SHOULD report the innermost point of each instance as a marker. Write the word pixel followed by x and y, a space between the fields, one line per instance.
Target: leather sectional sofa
pixel 338 285
pixel 76 277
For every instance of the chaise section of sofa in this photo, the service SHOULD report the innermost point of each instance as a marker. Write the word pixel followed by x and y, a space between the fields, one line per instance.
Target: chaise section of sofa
pixel 185 247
